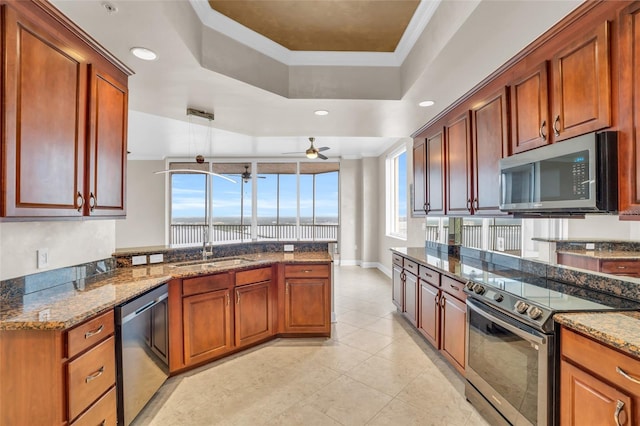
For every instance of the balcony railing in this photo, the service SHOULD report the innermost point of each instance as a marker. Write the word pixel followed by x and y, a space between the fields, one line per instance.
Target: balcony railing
pixel 192 234
pixel 509 235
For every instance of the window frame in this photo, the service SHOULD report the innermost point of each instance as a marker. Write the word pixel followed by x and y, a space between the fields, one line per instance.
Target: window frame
pixel 392 201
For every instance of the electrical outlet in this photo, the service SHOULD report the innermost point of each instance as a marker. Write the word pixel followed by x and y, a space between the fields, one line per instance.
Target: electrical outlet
pixel 43 258
pixel 288 247
pixel 139 260
pixel 500 243
pixel 44 315
pixel 156 258
pixel 590 246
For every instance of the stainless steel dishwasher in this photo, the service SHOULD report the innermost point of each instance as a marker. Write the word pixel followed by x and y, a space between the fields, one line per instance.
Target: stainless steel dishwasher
pixel 142 351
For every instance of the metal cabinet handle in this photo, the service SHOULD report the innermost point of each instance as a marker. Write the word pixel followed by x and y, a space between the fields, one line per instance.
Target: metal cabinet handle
pixel 424 207
pixel 627 375
pixel 92 201
pixel 542 126
pixel 93 332
pixel 556 131
pixel 476 204
pixel 228 299
pixel 443 300
pixel 616 415
pixel 95 375
pixel 622 267
pixel 79 201
pixel 237 297
pixel 286 288
pixel 436 299
pixel 469 204
pixel 454 287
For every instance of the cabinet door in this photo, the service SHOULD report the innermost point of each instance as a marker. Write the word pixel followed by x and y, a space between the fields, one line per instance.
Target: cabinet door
pixel 307 305
pixel 411 298
pixel 429 319
pixel 629 93
pixel 206 326
pixel 107 145
pixel 582 85
pixel 253 313
pixel 435 173
pixel 529 100
pixel 44 121
pixel 586 400
pixel 397 283
pixel 490 144
pixel 419 178
pixel 453 325
pixel 458 154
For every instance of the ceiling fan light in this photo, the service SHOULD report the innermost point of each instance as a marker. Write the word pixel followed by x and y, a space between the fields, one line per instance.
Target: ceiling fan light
pixel 312 155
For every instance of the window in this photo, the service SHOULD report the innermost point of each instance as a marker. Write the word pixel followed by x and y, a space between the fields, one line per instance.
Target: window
pixel 292 202
pixel 396 173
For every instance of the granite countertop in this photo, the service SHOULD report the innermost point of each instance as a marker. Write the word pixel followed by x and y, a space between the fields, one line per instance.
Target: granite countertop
pixel 620 330
pixel 66 305
pixel 604 254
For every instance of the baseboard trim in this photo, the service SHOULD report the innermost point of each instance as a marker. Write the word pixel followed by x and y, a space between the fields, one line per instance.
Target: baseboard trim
pixel 384 270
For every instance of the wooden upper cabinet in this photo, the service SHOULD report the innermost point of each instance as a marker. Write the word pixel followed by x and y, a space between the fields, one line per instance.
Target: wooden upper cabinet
pixel 107 145
pixel 434 173
pixel 490 136
pixel 64 119
pixel 582 85
pixel 43 121
pixel 458 165
pixel 529 101
pixel 419 178
pixel 629 93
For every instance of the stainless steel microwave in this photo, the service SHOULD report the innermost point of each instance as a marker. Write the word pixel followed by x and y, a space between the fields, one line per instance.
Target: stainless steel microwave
pixel 578 175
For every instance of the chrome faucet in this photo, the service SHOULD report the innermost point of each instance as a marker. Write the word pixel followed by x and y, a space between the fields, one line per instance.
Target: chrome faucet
pixel 205 240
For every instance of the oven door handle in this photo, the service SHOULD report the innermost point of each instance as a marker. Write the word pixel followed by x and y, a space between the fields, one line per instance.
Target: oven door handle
pixel 145 308
pixel 527 335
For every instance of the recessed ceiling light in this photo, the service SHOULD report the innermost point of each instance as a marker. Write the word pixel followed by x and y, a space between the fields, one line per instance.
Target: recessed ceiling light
pixel 110 8
pixel 321 112
pixel 144 53
pixel 426 103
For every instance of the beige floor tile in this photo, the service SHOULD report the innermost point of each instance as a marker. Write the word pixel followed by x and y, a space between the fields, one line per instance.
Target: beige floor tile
pixel 342 329
pixel 357 318
pixel 339 357
pixel 400 413
pixel 302 414
pixel 384 375
pixel 368 341
pixel 388 327
pixel 348 401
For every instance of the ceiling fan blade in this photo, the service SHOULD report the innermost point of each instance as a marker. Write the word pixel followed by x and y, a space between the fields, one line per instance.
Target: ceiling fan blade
pixel 202 172
pixel 324 148
pixel 284 153
pixel 324 157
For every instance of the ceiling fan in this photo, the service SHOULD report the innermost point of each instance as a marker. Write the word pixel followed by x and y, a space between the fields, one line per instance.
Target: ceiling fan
pixel 246 175
pixel 312 152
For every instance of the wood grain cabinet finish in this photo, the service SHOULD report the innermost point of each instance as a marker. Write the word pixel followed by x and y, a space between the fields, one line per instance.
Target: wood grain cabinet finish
pixel 254 306
pixel 435 167
pixel 419 207
pixel 307 301
pixel 64 126
pixel 453 319
pixel 411 298
pixel 598 384
pixel 458 165
pixel 629 136
pixel 490 139
pixel 207 326
pixel 529 102
pixel 429 318
pixel 55 377
pixel 582 85
pixel 397 287
pixel 623 267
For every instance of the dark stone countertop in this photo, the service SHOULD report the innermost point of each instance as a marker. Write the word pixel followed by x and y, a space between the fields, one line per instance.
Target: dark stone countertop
pixel 66 305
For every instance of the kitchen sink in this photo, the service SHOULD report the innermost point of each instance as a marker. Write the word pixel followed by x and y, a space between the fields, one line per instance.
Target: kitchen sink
pixel 215 263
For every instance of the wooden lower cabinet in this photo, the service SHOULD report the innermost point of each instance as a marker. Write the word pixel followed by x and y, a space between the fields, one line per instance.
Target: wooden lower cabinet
pixel 397 290
pixel 57 377
pixel 307 299
pixel 207 326
pixel 598 384
pixel 253 315
pixel 411 298
pixel 623 267
pixel 429 318
pixel 453 321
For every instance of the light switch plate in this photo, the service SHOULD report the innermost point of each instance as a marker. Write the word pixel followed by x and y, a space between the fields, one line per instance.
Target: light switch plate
pixel 156 258
pixel 139 260
pixel 288 247
pixel 43 258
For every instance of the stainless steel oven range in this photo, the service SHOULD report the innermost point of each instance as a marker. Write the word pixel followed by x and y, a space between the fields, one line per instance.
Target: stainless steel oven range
pixel 512 357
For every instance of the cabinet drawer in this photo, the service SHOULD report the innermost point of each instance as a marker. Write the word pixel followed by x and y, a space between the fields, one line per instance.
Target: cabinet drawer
pixel 253 276
pixel 397 259
pixel 306 270
pixel 89 333
pixel 429 275
pixel 204 284
pixel 620 267
pixel 454 288
pixel 103 412
pixel 90 375
pixel 411 267
pixel 600 360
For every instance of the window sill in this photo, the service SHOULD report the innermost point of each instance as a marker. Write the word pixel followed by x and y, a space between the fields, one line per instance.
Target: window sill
pixel 397 237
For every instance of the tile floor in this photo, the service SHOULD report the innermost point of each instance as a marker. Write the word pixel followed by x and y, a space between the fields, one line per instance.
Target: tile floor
pixel 375 370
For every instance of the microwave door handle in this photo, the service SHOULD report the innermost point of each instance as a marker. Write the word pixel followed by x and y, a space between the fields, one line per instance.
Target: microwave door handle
pixel 535 184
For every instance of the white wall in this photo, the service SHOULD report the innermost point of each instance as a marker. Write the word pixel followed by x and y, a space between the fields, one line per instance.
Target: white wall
pixel 369 213
pixel 350 207
pixel 145 224
pixel 415 234
pixel 68 242
pixel 602 227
